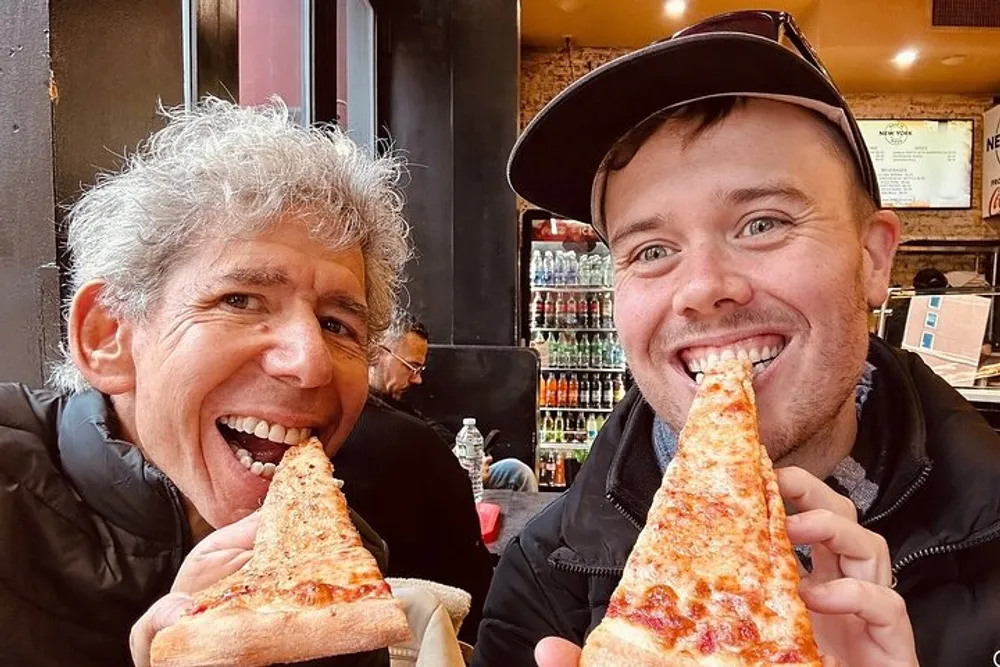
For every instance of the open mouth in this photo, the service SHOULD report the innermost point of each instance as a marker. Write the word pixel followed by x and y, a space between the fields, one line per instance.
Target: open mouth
pixel 258 444
pixel 760 350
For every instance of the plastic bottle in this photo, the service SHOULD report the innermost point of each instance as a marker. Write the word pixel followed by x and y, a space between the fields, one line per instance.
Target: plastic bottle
pixel 571 320
pixel 551 391
pixel 619 388
pixel 559 427
pixel 573 392
pixel 550 311
pixel 607 311
pixel 548 269
pixel 596 351
pixel 572 269
pixel 470 446
pixel 591 428
pixel 562 391
pixel 608 392
pixel 538 311
pixel 541 391
pixel 536 268
pixel 584 391
pixel 559 270
pixel 595 312
pixel 560 308
pixel 608 272
pixel 548 426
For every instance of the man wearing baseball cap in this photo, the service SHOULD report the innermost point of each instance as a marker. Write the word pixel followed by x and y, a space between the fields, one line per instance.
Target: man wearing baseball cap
pixel 729 178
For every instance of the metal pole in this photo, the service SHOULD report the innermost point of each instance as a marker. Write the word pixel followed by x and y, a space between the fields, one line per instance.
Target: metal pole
pixel 189 33
pixel 308 55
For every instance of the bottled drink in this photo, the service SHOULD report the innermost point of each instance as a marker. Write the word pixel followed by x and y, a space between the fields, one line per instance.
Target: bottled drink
pixel 600 422
pixel 540 344
pixel 548 427
pixel 560 472
pixel 559 427
pixel 548 268
pixel 608 272
pixel 562 390
pixel 569 349
pixel 607 311
pixel 536 268
pixel 584 392
pixel 591 428
pixel 541 391
pixel 551 391
pixel 470 447
pixel 619 388
pixel 560 310
pixel 596 351
pixel 595 312
pixel 608 392
pixel 608 353
pixel 617 356
pixel 550 311
pixel 587 274
pixel 543 471
pixel 550 467
pixel 538 310
pixel 559 270
pixel 572 269
pixel 571 310
pixel 573 392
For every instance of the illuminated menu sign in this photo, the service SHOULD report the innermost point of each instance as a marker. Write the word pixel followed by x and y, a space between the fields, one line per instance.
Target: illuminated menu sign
pixel 991 163
pixel 921 163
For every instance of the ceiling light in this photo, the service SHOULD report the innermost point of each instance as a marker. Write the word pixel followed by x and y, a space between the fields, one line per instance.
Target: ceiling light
pixel 905 58
pixel 675 8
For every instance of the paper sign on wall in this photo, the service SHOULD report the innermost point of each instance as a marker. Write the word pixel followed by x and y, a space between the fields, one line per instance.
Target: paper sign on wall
pixel 991 162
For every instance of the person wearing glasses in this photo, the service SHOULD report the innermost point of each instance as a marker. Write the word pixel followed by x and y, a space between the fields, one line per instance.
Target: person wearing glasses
pixel 399 366
pixel 729 178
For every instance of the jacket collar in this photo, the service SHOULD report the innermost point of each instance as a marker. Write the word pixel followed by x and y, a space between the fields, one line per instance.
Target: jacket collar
pixel 112 476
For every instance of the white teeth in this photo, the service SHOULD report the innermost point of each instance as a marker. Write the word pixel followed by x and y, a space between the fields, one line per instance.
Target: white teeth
pixel 755 355
pixel 277 433
pixel 727 355
pixel 247 462
pixel 698 378
pixel 742 355
pixel 257 467
pixel 242 454
pixel 268 470
pixel 262 429
pixel 293 436
pixel 249 424
pixel 710 361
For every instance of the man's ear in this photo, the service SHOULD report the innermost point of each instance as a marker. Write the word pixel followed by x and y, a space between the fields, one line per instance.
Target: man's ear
pixel 100 343
pixel 880 238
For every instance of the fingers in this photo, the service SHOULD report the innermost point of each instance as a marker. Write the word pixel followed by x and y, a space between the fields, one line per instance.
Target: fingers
pixel 162 614
pixel 860 553
pixel 557 652
pixel 806 492
pixel 881 608
pixel 239 535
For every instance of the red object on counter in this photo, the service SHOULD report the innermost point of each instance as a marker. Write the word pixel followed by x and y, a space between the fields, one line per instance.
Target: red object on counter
pixel 489 521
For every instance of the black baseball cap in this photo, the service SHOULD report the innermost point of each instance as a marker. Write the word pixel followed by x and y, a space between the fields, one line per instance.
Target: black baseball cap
pixel 556 161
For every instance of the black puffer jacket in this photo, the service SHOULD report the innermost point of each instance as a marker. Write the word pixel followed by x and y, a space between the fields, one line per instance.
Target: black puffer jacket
pixel 90 534
pixel 939 513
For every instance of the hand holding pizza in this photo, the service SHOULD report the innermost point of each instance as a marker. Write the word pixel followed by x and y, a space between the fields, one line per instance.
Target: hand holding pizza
pixel 857 618
pixel 217 556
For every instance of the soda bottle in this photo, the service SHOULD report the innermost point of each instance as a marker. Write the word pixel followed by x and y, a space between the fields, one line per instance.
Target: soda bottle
pixel 550 467
pixel 544 352
pixel 600 422
pixel 608 392
pixel 608 271
pixel 560 310
pixel 607 311
pixel 562 391
pixel 469 442
pixel 619 388
pixel 617 356
pixel 538 311
pixel 559 427
pixel 573 392
pixel 543 472
pixel 569 349
pixel 560 472
pixel 572 269
pixel 581 427
pixel 609 353
pixel 559 270
pixel 541 391
pixel 584 392
pixel 548 427
pixel 571 310
pixel 550 312
pixel 596 351
pixel 591 428
pixel 536 268
pixel 548 268
pixel 551 391
pixel 595 312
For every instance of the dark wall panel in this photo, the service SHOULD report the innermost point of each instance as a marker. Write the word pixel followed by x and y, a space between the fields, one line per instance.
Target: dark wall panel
pixel 29 312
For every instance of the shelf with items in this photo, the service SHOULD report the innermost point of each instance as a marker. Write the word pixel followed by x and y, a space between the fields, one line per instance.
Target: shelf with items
pixel 574 330
pixel 582 369
pixel 569 446
pixel 552 408
pixel 576 289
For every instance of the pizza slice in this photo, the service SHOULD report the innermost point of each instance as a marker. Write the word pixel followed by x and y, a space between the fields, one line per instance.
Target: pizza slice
pixel 712 579
pixel 310 590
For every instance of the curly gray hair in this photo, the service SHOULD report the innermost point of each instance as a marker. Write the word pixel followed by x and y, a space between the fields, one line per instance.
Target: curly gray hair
pixel 225 171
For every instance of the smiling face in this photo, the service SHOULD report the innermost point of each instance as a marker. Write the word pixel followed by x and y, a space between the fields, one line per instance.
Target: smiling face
pixel 744 240
pixel 265 335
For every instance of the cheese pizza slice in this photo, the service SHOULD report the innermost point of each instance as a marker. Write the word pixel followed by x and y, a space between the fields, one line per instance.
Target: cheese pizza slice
pixel 712 579
pixel 310 590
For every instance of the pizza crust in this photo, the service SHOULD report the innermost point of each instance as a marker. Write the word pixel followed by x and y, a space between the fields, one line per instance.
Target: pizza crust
pixel 606 647
pixel 248 638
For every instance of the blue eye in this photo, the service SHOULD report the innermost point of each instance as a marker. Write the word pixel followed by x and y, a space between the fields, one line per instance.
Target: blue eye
pixel 653 253
pixel 759 226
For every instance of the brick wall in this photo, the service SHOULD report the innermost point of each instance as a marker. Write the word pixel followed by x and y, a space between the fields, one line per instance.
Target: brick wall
pixel 545 73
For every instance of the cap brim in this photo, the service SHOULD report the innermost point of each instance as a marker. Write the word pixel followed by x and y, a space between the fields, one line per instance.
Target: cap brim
pixel 555 159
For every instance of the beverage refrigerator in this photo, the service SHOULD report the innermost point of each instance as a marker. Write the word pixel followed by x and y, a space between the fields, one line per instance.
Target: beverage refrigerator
pixel 566 304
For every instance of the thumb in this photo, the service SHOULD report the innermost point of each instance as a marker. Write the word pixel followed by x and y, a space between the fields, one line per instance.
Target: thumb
pixel 557 652
pixel 164 613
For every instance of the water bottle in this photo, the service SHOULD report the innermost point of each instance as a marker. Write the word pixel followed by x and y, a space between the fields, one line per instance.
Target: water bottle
pixel 470 446
pixel 548 268
pixel 536 269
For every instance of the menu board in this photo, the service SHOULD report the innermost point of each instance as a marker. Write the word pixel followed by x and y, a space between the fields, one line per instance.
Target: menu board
pixel 921 163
